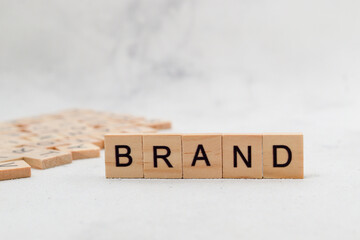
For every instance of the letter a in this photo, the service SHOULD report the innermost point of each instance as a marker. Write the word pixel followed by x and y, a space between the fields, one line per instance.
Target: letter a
pixel 199 149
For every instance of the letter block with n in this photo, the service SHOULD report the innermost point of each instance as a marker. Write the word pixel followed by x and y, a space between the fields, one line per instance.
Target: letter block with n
pixel 242 155
pixel 123 156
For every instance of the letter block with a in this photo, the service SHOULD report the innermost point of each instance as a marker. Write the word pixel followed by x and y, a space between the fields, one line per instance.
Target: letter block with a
pixel 162 156
pixel 123 156
pixel 202 155
pixel 283 156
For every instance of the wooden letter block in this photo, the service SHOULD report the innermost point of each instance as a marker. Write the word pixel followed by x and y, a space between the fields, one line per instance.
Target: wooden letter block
pixel 7 157
pixel 12 142
pixel 202 156
pixel 242 156
pixel 156 123
pixel 24 150
pixel 81 150
pixel 96 141
pixel 139 129
pixel 283 156
pixel 47 158
pixel 162 156
pixel 123 156
pixel 15 169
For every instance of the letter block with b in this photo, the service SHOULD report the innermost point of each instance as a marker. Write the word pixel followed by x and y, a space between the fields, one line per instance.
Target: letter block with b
pixel 283 156
pixel 124 156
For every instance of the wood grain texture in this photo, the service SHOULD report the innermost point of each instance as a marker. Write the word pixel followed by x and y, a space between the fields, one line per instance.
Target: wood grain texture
pixel 203 144
pixel 243 143
pixel 81 150
pixel 96 141
pixel 14 169
pixel 47 158
pixel 155 123
pixel 135 145
pixel 75 132
pixel 294 142
pixel 6 157
pixel 165 144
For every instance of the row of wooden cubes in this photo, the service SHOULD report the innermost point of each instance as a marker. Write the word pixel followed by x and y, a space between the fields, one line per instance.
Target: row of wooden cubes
pixel 204 155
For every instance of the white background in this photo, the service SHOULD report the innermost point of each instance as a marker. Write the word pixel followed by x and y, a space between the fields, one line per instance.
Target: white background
pixel 208 66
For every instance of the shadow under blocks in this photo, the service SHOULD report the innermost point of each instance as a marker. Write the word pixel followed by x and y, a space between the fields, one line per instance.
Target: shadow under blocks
pixel 160 155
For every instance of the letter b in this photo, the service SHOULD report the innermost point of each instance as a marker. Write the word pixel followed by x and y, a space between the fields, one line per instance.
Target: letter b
pixel 126 155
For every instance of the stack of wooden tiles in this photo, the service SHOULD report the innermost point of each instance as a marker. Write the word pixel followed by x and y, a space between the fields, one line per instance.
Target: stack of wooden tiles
pixel 56 139
pixel 204 155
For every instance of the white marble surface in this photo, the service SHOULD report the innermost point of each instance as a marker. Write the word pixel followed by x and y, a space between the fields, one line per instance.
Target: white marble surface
pixel 209 66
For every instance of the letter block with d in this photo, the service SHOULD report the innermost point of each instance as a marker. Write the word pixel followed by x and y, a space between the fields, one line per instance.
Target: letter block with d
pixel 283 156
pixel 162 156
pixel 123 156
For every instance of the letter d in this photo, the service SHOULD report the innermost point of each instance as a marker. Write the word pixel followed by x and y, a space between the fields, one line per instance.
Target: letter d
pixel 275 148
